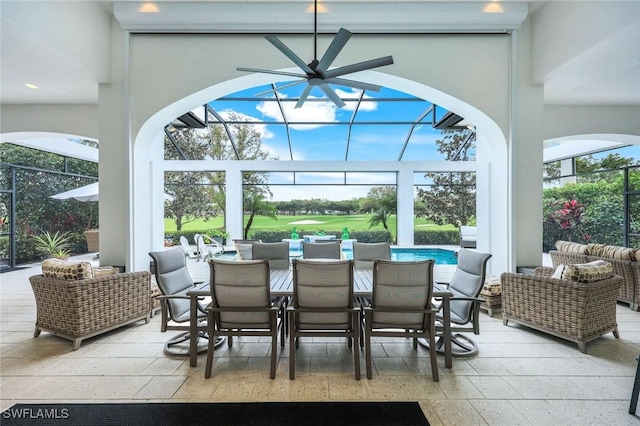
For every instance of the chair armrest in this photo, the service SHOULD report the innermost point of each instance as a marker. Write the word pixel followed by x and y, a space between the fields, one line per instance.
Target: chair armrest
pixel 174 296
pixel 399 311
pixel 324 310
pixel 243 309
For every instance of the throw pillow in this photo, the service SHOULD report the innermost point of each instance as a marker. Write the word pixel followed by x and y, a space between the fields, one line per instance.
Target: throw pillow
pixel 570 247
pixel 588 272
pixel 56 268
pixel 558 272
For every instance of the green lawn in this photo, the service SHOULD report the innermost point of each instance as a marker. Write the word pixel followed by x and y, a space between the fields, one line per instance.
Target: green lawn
pixel 358 222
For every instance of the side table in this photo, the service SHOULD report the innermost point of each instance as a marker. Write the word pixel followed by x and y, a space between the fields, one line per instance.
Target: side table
pixel 491 294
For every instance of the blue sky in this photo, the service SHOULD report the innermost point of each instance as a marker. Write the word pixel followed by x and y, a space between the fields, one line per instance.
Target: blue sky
pixel 373 142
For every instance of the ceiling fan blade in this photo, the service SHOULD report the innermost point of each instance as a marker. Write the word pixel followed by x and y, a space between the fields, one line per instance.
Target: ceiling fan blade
pixel 286 86
pixel 360 66
pixel 289 54
pixel 291 74
pixel 332 95
pixel 333 50
pixel 303 96
pixel 352 83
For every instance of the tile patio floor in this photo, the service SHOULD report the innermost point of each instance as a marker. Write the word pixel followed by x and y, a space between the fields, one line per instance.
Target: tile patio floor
pixel 519 377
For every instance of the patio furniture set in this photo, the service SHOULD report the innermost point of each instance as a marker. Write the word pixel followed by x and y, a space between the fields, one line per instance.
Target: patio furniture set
pixel 77 301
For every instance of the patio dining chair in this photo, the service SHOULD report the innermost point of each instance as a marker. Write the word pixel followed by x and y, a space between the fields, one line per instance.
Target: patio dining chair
pixel 244 248
pixel 365 253
pixel 401 306
pixel 174 282
pixel 241 305
pixel 323 306
pixel 276 253
pixel 324 250
pixel 465 285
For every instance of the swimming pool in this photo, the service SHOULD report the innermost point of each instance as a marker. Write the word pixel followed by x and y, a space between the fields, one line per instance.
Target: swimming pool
pixel 441 256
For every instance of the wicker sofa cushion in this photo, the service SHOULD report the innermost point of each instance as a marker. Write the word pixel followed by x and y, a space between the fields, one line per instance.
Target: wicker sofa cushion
pixel 569 247
pixel 621 253
pixel 101 271
pixel 588 272
pixel 57 268
pixel 595 249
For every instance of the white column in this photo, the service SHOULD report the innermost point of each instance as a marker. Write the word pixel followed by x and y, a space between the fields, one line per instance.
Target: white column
pixel 566 169
pixel 156 182
pixel 405 217
pixel 114 167
pixel 233 203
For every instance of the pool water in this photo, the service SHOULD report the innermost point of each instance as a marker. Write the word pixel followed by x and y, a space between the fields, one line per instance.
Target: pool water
pixel 441 256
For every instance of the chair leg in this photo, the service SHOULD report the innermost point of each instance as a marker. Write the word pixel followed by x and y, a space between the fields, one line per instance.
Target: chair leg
pixel 636 390
pixel 432 353
pixel 210 348
pixel 292 348
pixel 274 350
pixel 367 348
pixel 356 347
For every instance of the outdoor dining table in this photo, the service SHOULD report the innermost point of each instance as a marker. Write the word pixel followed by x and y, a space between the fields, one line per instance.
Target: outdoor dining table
pixel 282 285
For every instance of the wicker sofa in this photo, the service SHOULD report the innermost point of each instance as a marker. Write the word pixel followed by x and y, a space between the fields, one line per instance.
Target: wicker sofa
pixel 575 311
pixel 623 260
pixel 76 304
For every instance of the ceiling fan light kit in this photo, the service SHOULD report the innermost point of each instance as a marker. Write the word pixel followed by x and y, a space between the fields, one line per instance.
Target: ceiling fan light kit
pixel 317 73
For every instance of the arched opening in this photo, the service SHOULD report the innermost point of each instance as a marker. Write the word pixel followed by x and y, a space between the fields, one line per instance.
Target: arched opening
pixel 149 166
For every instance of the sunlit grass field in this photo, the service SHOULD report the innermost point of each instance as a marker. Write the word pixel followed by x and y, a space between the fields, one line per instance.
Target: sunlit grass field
pixel 358 222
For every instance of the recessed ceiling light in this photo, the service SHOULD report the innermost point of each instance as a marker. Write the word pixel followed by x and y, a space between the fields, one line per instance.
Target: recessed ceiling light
pixel 494 7
pixel 149 7
pixel 31 85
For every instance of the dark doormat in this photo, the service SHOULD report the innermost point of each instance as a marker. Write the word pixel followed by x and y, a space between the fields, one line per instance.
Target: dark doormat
pixel 224 414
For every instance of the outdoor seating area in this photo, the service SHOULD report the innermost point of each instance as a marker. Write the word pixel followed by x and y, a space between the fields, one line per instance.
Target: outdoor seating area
pixel 76 301
pixel 516 370
pixel 577 309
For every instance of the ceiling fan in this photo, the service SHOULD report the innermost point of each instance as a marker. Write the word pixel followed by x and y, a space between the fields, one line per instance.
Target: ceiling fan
pixel 317 73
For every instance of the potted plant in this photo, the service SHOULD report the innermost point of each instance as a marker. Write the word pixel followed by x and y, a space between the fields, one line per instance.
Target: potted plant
pixel 54 245
pixel 218 235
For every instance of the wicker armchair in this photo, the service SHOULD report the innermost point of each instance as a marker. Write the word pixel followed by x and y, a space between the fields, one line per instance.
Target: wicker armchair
pixel 578 312
pixel 79 309
pixel 93 240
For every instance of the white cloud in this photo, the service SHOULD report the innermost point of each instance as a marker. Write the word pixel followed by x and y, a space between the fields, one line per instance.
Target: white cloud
pixel 310 112
pixel 313 111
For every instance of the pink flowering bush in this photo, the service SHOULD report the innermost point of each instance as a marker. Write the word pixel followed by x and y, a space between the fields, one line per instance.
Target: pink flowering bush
pixel 569 218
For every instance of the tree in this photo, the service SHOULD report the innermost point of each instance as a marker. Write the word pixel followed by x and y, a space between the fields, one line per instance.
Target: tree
pixel 256 205
pixel 35 210
pixel 380 198
pixel 380 217
pixel 247 145
pixel 202 194
pixel 190 197
pixel 451 198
